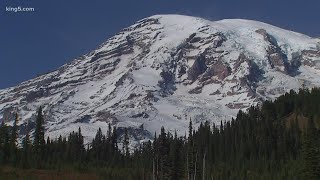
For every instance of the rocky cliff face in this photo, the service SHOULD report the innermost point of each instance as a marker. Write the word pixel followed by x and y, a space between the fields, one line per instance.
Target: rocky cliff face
pixel 164 70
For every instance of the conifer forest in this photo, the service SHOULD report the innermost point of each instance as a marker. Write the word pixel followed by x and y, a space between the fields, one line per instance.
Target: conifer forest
pixel 276 140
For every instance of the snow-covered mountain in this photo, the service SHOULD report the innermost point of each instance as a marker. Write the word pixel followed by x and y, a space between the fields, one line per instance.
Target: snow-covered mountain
pixel 164 70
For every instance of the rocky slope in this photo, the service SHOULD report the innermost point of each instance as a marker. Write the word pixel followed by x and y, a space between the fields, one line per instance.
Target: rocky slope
pixel 164 70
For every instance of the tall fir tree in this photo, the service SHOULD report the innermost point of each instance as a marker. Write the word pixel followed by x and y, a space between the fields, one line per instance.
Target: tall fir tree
pixel 14 139
pixel 4 143
pixel 310 152
pixel 126 143
pixel 114 138
pixel 97 145
pixel 14 132
pixel 190 153
pixel 39 142
pixel 109 132
pixel 26 149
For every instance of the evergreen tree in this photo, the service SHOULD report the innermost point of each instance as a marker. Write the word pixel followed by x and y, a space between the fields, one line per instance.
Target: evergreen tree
pixel 190 153
pixel 176 167
pixel 14 134
pixel 13 151
pixel 39 142
pixel 4 143
pixel 163 150
pixel 26 149
pixel 109 137
pixel 80 146
pixel 97 145
pixel 311 155
pixel 114 138
pixel 126 143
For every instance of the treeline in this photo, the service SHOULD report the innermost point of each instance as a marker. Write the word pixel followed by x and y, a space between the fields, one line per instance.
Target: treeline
pixel 278 140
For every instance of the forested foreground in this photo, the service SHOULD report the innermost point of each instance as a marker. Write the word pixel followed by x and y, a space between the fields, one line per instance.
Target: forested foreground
pixel 279 140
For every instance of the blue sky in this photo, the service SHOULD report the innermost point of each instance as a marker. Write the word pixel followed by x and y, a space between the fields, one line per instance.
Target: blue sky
pixel 59 30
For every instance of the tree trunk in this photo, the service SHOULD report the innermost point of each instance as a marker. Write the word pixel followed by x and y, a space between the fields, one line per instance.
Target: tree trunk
pixel 188 165
pixel 153 170
pixel 195 167
pixel 204 167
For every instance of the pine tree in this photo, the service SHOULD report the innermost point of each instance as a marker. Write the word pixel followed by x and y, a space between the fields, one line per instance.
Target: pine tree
pixel 108 144
pixel 114 142
pixel 4 143
pixel 155 160
pixel 13 140
pixel 80 146
pixel 109 133
pixel 176 166
pixel 14 133
pixel 164 149
pixel 97 145
pixel 126 143
pixel 311 155
pixel 190 129
pixel 190 153
pixel 26 149
pixel 39 142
